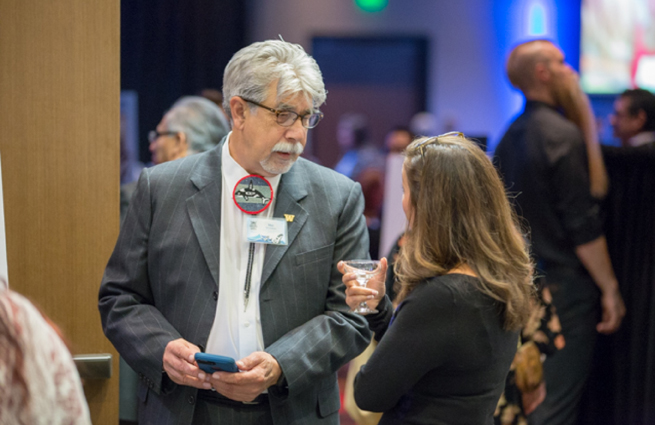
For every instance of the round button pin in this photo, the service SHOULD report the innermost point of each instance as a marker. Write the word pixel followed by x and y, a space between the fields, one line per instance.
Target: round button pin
pixel 253 194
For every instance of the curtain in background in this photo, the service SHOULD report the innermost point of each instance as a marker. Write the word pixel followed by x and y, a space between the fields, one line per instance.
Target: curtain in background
pixel 621 389
pixel 172 48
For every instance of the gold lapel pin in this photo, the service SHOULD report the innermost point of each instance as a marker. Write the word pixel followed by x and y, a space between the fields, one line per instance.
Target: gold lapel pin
pixel 289 217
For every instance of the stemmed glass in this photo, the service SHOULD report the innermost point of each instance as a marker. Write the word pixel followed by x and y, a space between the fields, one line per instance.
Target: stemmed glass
pixel 364 270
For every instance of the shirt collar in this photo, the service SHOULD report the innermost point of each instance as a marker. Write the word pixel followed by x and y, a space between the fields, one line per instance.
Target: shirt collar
pixel 642 139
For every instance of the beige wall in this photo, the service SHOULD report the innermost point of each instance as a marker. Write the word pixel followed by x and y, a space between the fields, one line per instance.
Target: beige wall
pixel 465 62
pixel 59 145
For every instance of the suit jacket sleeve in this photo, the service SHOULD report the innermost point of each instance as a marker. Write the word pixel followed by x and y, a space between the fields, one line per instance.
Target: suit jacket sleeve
pixel 129 317
pixel 318 348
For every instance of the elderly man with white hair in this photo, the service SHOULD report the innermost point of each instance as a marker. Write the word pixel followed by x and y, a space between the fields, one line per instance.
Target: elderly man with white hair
pixel 234 252
pixel 192 125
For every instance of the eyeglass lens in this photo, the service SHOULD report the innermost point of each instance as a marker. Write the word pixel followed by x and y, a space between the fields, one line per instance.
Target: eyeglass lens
pixel 154 134
pixel 287 118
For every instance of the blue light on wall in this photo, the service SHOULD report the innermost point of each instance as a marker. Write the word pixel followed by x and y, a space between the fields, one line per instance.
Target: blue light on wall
pixel 537 20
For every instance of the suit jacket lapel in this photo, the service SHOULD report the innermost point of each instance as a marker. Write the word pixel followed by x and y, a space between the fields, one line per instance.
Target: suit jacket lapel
pixel 204 207
pixel 291 190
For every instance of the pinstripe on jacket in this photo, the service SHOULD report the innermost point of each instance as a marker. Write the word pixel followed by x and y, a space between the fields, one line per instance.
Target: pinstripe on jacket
pixel 160 282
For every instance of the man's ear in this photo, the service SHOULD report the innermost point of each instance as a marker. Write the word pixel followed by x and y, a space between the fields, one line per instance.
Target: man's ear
pixel 541 72
pixel 238 109
pixel 182 142
pixel 641 116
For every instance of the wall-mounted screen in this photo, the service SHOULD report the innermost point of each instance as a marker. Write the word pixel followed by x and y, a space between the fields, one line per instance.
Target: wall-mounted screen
pixel 617 48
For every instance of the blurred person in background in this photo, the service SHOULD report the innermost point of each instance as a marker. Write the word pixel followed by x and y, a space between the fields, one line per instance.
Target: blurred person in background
pixel 39 383
pixel 397 139
pixel 192 125
pixel 546 159
pixel 625 362
pixel 359 152
pixel 633 119
pixel 215 96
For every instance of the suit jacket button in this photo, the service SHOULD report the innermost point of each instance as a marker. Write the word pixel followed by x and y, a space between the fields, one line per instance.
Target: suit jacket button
pixel 215 295
pixel 191 400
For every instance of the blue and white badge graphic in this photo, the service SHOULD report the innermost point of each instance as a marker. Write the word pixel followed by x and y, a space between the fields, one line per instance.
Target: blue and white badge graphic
pixel 253 194
pixel 272 231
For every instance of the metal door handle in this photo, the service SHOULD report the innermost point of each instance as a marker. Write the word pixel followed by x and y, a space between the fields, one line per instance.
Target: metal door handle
pixel 93 366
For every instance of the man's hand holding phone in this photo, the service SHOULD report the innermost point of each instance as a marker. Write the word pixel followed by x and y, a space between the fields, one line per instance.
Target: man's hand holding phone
pixel 259 371
pixel 211 363
pixel 180 366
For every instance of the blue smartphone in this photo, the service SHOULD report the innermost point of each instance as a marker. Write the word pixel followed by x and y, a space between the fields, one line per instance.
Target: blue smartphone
pixel 211 363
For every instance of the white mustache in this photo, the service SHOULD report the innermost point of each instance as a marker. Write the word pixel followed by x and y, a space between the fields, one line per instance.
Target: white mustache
pixel 288 147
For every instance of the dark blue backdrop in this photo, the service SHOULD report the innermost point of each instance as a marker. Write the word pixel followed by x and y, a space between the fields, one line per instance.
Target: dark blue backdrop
pixel 172 48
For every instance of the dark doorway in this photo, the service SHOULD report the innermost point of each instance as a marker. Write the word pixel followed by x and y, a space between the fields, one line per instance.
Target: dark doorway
pixel 383 78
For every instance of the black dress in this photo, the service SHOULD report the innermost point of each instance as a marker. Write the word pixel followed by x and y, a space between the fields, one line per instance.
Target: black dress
pixel 443 359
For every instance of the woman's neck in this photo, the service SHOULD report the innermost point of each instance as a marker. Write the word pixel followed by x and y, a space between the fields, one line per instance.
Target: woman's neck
pixel 462 269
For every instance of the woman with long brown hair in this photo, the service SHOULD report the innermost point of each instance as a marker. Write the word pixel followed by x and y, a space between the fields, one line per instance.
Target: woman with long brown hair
pixel 466 286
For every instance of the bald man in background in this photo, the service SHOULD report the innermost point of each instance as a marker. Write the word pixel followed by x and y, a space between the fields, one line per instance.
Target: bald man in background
pixel 543 160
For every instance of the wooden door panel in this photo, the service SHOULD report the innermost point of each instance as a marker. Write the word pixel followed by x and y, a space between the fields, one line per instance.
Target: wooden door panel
pixel 59 115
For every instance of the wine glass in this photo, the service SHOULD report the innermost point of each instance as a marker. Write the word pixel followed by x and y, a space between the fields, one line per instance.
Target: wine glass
pixel 364 270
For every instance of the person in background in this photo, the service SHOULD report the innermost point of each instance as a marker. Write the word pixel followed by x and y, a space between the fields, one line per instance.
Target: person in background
pixel 185 277
pixel 39 383
pixel 543 159
pixel 192 125
pixel 359 153
pixel 215 96
pixel 466 287
pixel 525 388
pixel 624 361
pixel 633 120
pixel 372 181
pixel 397 139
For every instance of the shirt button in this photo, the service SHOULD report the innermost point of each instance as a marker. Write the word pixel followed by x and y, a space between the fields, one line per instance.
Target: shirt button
pixel 215 295
pixel 191 400
pixel 246 324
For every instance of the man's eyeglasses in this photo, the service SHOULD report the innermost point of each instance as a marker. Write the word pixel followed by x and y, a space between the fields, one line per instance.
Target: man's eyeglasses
pixel 433 140
pixel 287 118
pixel 154 134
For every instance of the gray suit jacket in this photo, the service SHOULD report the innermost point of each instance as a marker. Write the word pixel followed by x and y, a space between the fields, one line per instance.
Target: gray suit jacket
pixel 161 283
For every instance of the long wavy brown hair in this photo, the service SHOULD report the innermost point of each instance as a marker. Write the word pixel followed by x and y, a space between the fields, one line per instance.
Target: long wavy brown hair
pixel 460 216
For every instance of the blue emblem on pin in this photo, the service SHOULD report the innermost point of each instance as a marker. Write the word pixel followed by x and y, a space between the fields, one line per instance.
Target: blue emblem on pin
pixel 253 194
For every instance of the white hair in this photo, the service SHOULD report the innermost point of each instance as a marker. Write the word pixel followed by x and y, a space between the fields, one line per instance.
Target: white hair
pixel 200 119
pixel 253 68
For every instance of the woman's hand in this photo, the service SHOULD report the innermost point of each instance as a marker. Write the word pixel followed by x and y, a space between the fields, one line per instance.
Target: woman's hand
pixel 374 291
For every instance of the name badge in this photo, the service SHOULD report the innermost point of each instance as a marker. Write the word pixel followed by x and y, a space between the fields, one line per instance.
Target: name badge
pixel 272 231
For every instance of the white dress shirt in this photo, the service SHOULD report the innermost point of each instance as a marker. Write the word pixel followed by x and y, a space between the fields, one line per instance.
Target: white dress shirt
pixel 237 333
pixel 642 138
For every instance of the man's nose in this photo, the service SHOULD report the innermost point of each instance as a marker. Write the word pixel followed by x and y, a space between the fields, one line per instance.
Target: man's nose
pixel 296 131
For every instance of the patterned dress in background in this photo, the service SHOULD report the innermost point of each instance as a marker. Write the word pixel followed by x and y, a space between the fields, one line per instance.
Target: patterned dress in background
pixel 543 330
